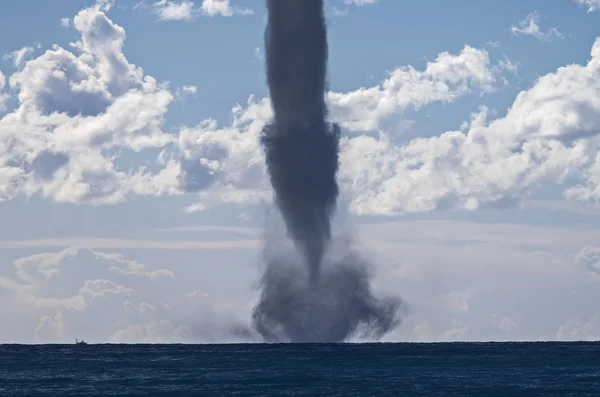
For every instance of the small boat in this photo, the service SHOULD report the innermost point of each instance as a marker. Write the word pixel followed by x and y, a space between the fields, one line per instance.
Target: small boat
pixel 80 342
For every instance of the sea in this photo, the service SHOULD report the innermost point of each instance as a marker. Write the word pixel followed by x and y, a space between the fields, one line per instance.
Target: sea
pixel 379 369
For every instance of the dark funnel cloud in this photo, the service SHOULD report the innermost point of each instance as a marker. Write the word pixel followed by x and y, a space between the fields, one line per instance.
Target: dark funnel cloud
pixel 301 147
pixel 308 295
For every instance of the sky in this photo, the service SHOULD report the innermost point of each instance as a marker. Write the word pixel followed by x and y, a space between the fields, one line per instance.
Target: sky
pixel 134 196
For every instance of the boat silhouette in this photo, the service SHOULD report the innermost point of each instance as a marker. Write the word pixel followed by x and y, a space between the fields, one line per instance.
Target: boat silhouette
pixel 80 342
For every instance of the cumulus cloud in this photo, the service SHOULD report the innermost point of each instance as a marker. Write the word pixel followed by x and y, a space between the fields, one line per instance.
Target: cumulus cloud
pixel 445 79
pixel 547 134
pixel 88 104
pixel 230 162
pixel 76 293
pixel 530 27
pixel 226 164
pixel 79 107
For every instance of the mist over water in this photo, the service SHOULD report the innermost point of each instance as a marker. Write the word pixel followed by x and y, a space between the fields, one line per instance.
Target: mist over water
pixel 310 293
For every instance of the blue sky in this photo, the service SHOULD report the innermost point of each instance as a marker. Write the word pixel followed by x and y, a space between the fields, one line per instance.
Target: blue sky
pixel 468 165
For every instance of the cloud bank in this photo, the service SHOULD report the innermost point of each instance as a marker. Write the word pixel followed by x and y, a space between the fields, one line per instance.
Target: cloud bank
pixel 453 275
pixel 88 105
pixel 106 297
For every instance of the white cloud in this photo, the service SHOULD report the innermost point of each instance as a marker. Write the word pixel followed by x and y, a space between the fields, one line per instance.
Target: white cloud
pixel 174 11
pixel 186 91
pixel 213 8
pixel 422 332
pixel 446 78
pixel 185 10
pixel 190 89
pixel 73 109
pixel 348 3
pixel 435 264
pixel 592 5
pixel 455 300
pixel 103 297
pixel 530 26
pixel 86 103
pixel 547 134
pixel 360 2
pixel 258 54
pixel 227 165
pixel 576 329
pixel 19 56
pixel 103 5
pixel 65 22
pixel 589 258
pixel 131 267
pixel 85 106
pixel 458 331
pixel 50 328
pixel 506 324
pixel 159 331
pixel 3 95
pixel 196 294
pixel 108 243
pixel 338 12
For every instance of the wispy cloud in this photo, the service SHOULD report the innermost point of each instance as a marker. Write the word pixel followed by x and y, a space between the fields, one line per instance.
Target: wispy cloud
pixel 347 3
pixel 360 2
pixel 592 5
pixel 174 11
pixel 530 27
pixel 221 7
pixel 186 91
pixel 111 243
pixel 19 56
pixel 184 10
pixel 247 231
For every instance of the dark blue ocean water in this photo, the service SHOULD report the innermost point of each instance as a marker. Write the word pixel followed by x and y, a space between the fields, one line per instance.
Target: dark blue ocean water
pixel 454 369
